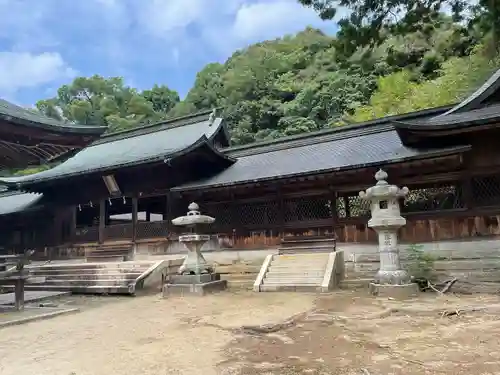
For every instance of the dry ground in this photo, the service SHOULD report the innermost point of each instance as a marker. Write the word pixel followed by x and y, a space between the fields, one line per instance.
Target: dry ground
pixel 340 333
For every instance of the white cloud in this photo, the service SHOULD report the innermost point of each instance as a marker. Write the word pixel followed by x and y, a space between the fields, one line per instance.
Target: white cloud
pixel 272 19
pixel 20 70
pixel 202 27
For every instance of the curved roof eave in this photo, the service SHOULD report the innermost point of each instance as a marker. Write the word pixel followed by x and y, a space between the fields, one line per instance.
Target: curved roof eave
pixel 55 127
pixel 22 182
pixel 478 96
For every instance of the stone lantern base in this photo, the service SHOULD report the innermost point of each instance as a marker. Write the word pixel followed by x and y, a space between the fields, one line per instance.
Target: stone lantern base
pixel 403 291
pixel 198 285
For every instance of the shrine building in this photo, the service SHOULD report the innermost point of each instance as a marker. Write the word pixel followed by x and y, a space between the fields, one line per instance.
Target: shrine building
pixel 126 187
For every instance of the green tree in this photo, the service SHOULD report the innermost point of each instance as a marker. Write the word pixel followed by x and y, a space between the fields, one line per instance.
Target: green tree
pixel 108 102
pixel 162 98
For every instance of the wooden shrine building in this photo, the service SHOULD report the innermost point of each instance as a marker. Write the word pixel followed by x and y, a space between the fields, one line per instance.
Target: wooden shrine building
pixel 128 186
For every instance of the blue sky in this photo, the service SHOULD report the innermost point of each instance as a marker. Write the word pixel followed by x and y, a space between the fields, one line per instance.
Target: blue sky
pixel 46 43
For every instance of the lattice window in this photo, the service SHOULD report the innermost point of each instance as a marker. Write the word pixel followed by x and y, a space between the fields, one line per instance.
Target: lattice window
pixel 257 213
pixel 152 229
pixel 486 190
pixel 307 209
pixel 357 207
pixel 223 214
pixel 341 208
pixel 435 198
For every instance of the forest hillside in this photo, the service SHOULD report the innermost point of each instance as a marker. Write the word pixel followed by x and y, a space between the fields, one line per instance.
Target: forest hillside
pixel 375 66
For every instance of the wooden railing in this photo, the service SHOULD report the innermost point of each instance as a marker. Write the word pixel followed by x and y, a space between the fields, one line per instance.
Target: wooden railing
pixel 143 230
pixel 87 234
pixel 118 232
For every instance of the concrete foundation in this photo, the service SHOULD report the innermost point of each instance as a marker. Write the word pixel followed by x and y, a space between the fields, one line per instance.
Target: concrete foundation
pixel 198 285
pixel 403 291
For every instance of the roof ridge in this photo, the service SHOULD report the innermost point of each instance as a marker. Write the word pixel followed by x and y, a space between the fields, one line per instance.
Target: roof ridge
pixel 8 109
pixel 334 136
pixel 335 130
pixel 162 122
pixel 491 85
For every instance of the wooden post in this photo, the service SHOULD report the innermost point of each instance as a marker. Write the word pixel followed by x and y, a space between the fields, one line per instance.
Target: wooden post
pixel 134 218
pixel 167 215
pixel 333 207
pixel 72 225
pixel 19 294
pixel 102 219
pixel 281 211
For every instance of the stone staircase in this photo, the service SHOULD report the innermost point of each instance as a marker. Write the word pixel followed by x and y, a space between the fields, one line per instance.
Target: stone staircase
pixel 307 244
pixel 308 272
pixel 102 278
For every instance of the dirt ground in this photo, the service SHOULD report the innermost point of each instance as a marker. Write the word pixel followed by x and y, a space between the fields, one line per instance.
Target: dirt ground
pixel 339 333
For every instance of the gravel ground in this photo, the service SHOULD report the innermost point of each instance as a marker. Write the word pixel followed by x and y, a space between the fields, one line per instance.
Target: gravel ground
pixel 142 335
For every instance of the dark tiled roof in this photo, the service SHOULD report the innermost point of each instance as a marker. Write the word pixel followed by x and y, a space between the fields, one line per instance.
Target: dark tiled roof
pixel 325 134
pixel 13 113
pixel 479 96
pixel 142 145
pixel 455 120
pixel 11 202
pixel 344 150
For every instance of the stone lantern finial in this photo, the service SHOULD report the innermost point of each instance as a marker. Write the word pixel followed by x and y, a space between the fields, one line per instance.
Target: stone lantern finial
pixel 381 177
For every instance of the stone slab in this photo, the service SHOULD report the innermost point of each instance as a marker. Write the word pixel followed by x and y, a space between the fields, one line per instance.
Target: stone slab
pixel 193 289
pixel 193 279
pixel 31 296
pixel 12 318
pixel 404 291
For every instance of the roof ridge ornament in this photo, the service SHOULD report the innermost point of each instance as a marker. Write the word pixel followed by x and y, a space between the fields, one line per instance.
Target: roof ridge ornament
pixel 211 117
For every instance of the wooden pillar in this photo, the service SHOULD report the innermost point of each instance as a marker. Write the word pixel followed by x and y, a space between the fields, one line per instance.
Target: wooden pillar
pixel 102 219
pixel 72 223
pixel 167 214
pixel 281 211
pixel 134 218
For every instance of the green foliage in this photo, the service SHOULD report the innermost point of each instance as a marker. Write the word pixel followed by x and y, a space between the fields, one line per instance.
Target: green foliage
pixel 420 264
pixel 377 65
pixel 31 170
pixel 399 93
pixel 108 102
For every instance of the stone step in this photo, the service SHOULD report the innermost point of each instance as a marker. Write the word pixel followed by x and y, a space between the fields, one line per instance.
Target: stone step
pixel 87 282
pixel 239 277
pixel 302 269
pixel 99 276
pixel 355 283
pixel 285 261
pixel 290 288
pixel 292 282
pixel 303 272
pixel 301 257
pixel 292 276
pixel 88 266
pixel 88 289
pixel 302 249
pixel 296 265
pixel 86 271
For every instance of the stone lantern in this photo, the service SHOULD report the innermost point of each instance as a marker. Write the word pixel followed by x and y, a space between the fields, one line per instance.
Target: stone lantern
pixel 195 276
pixel 386 219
